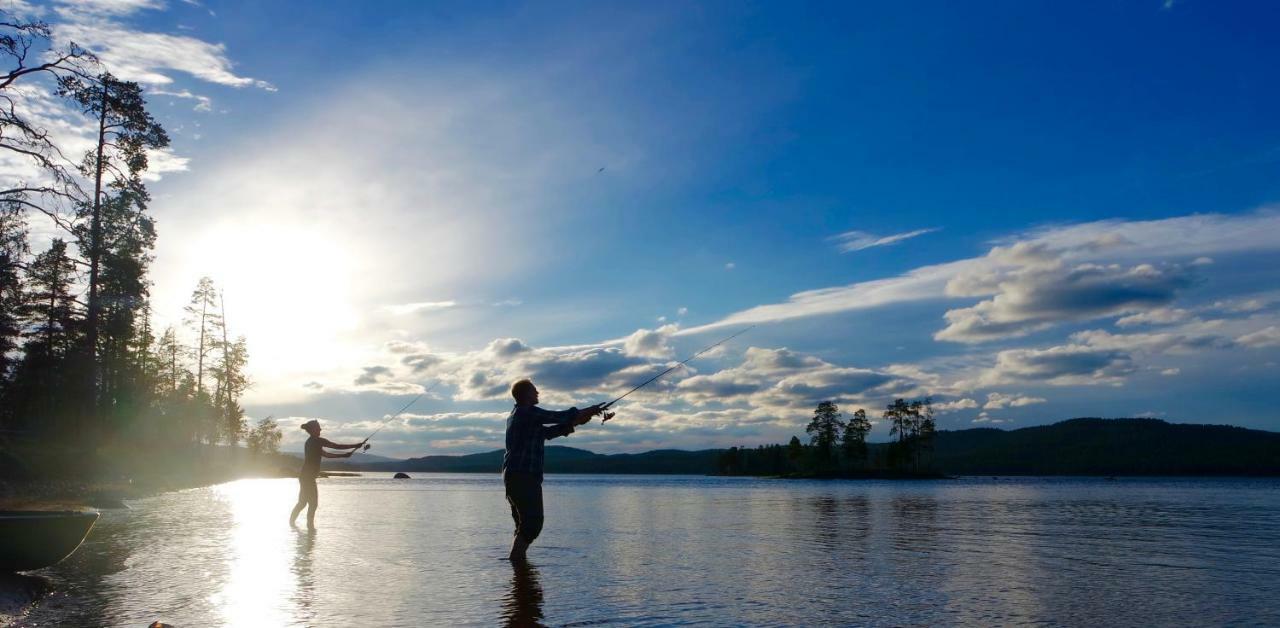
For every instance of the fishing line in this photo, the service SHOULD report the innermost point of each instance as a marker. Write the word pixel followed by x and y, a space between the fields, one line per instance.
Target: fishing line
pixel 387 420
pixel 674 367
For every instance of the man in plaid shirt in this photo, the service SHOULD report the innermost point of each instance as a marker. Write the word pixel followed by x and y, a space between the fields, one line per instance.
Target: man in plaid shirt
pixel 528 427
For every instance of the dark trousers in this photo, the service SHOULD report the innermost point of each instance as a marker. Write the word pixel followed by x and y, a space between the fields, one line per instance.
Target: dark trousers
pixel 524 493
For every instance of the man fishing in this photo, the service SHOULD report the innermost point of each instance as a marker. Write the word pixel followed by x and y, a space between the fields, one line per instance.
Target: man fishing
pixel 528 427
pixel 308 494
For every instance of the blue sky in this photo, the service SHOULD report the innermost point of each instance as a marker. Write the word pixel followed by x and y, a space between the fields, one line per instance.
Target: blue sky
pixel 1031 211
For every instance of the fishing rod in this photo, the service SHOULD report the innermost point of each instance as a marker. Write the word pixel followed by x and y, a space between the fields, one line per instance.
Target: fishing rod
pixel 646 382
pixel 388 419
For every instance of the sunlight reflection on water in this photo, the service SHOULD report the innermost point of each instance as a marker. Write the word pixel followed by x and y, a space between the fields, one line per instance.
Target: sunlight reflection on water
pixel 660 551
pixel 260 581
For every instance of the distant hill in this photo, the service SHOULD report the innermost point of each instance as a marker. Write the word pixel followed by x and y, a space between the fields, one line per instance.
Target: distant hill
pixel 1110 447
pixel 360 458
pixel 1074 447
pixel 567 460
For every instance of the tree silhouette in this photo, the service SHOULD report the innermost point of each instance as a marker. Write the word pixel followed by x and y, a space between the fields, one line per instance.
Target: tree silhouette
pixel 854 439
pixel 126 131
pixel 264 437
pixel 205 323
pixel 824 432
pixel 30 57
pixel 795 452
pixel 232 382
pixel 13 249
pixel 37 390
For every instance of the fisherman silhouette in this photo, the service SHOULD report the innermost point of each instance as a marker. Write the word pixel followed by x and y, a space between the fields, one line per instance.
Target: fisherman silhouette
pixel 313 451
pixel 528 427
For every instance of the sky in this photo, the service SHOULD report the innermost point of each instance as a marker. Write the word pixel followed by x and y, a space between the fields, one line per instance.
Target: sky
pixel 1028 211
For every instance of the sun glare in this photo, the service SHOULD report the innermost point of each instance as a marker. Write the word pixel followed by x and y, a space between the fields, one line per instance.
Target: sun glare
pixel 261 584
pixel 290 288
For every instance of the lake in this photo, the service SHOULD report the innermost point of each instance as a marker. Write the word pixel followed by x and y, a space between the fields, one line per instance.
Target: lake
pixel 651 550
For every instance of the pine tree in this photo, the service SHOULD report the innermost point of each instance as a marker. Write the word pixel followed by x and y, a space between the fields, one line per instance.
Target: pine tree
pixel 898 414
pixel 38 391
pixel 854 438
pixel 232 383
pixel 795 452
pixel 205 323
pixel 824 431
pixel 125 132
pixel 50 305
pixel 13 250
pixel 927 432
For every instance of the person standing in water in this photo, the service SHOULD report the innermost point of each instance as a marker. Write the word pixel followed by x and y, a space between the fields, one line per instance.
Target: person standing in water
pixel 528 427
pixel 308 494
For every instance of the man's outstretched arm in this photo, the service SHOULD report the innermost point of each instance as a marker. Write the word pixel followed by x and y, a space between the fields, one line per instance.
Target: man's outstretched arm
pixel 555 431
pixel 332 445
pixel 564 429
pixel 541 416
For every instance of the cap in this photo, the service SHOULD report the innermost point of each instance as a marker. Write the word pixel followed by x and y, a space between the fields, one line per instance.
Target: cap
pixel 311 423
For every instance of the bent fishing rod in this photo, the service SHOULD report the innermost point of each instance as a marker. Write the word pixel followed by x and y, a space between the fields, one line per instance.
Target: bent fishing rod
pixel 609 415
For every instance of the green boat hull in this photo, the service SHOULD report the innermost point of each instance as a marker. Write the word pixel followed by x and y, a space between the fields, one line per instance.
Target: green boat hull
pixel 32 539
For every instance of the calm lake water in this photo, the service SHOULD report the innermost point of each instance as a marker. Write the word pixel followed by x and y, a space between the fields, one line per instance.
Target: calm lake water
pixel 680 550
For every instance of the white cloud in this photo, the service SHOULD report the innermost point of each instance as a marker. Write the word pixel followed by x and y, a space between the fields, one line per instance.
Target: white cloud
pixel 204 104
pixel 782 378
pixel 113 8
pixel 149 57
pixel 420 307
pixel 997 401
pixel 987 418
pixel 1244 305
pixel 1157 316
pixel 1156 343
pixel 1065 365
pixel 851 241
pixel 952 406
pixel 1131 243
pixel 1038 295
pixel 923 283
pixel 650 343
pixel 1267 337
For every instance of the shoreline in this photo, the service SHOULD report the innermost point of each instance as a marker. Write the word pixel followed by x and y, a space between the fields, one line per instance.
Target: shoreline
pixel 79 494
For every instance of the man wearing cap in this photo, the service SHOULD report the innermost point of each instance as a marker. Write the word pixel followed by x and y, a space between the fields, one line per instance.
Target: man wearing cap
pixel 528 427
pixel 308 494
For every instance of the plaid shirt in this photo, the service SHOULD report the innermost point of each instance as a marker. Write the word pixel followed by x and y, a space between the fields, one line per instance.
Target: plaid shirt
pixel 527 428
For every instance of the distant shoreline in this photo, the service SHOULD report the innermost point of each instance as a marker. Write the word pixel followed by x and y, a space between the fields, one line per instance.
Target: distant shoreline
pixel 1087 447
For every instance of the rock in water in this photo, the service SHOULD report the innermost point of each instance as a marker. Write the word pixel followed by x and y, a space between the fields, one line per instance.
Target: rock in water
pixel 402 476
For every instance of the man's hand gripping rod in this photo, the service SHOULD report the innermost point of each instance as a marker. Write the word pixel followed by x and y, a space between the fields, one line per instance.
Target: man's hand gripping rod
pixel 609 415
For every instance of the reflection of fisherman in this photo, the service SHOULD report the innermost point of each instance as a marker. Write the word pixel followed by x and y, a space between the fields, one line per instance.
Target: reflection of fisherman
pixel 523 606
pixel 528 427
pixel 308 495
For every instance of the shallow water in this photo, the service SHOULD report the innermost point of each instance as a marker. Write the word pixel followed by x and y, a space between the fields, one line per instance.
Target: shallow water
pixel 674 550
